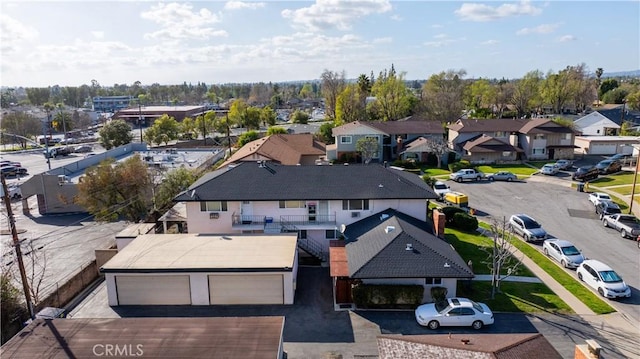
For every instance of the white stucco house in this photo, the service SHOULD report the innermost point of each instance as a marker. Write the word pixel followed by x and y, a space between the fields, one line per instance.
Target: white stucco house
pixel 596 124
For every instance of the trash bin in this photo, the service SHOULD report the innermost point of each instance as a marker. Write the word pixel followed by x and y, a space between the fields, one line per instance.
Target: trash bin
pixel 580 187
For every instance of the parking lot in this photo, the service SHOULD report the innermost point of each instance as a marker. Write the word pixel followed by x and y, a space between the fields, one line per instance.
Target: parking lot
pixel 567 214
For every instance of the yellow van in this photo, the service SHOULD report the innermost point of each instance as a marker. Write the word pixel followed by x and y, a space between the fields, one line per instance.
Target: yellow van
pixel 456 199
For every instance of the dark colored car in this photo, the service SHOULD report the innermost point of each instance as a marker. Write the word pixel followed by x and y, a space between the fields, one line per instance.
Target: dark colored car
pixel 605 208
pixel 9 170
pixel 608 166
pixel 585 173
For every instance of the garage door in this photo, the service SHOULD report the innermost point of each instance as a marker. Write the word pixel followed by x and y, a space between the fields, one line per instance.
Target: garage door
pixel 158 290
pixel 603 149
pixel 246 289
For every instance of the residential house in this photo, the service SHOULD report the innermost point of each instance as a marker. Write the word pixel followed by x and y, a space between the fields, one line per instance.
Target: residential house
pixel 300 149
pixel 620 114
pixel 606 145
pixel 212 338
pixel 508 139
pixel 596 124
pixel 392 136
pixel 454 346
pixel 314 201
pixel 391 247
pixel 200 269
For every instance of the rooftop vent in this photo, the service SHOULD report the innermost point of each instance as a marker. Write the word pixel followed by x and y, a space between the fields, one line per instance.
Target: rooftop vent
pixel 409 247
pixel 389 229
pixel 384 216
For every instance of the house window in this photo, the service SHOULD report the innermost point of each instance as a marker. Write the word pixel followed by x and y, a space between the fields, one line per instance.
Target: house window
pixel 538 136
pixel 501 134
pixel 345 140
pixel 330 234
pixel 432 281
pixel 291 204
pixel 506 154
pixel 213 206
pixel 538 151
pixel 567 136
pixel 355 204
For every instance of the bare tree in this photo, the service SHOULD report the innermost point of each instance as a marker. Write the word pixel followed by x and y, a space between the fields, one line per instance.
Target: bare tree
pixel 332 84
pixel 438 147
pixel 501 260
pixel 37 271
pixel 368 147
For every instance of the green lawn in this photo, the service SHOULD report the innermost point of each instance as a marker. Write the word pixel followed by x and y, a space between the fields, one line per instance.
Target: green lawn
pixel 519 170
pixel 621 178
pixel 515 297
pixel 435 172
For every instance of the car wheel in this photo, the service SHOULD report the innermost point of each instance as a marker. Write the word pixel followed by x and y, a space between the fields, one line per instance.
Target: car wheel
pixel 563 263
pixel 601 292
pixel 491 179
pixel 527 238
pixel 546 252
pixel 477 325
pixel 604 223
pixel 433 325
pixel 478 178
pixel 459 179
pixel 623 233
pixel 509 179
pixel 580 277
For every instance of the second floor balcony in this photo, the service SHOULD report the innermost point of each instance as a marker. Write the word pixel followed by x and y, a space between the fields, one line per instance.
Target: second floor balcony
pixel 306 221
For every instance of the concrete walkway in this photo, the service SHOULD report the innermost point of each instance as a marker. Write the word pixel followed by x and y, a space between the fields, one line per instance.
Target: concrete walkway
pixel 487 278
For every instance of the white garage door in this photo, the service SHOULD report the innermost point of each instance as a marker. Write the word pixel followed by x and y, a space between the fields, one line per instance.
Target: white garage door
pixel 246 289
pixel 603 149
pixel 158 290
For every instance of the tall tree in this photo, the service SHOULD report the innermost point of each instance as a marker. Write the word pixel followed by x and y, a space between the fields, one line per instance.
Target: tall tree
pixel 393 99
pixel 238 113
pixel 368 148
pixel 38 96
pixel 164 129
pixel 268 116
pixel 442 96
pixel 526 93
pixel 172 183
pixel 349 105
pixel 480 94
pixel 500 260
pixel 115 133
pixel 22 124
pixel 332 83
pixel 599 72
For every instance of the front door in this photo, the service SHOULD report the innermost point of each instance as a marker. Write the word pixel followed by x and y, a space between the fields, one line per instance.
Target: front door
pixel 312 211
pixel 552 153
pixel 246 210
pixel 323 211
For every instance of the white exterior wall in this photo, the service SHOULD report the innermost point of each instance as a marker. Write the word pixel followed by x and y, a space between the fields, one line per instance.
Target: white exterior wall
pixel 536 145
pixel 199 283
pixel 122 242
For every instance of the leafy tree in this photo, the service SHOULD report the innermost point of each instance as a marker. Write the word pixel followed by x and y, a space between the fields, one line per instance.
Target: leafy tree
pixel 21 124
pixel 526 93
pixel 616 95
pixel 112 190
pixel 350 105
pixel 332 84
pixel 173 183
pixel 555 90
pixel 62 121
pixel 247 137
pixel 325 132
pixel 480 95
pixel 633 100
pixel 188 127
pixel 7 97
pixel 307 91
pixel 565 122
pixel 393 99
pixel 364 85
pixel 252 118
pixel 368 148
pixel 268 116
pixel 606 86
pixel 238 112
pixel 115 133
pixel 599 72
pixel 442 95
pixel 274 130
pixel 626 129
pixel 300 117
pixel 38 96
pixel 164 129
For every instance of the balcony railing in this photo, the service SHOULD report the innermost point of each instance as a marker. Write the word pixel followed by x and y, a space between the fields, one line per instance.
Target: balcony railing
pixel 304 219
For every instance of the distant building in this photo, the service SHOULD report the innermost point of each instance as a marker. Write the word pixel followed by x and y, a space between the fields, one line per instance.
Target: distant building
pixel 111 103
pixel 148 114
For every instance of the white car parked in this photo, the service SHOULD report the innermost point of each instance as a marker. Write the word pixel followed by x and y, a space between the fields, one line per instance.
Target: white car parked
pixel 563 251
pixel 454 312
pixel 549 169
pixel 602 278
pixel 597 197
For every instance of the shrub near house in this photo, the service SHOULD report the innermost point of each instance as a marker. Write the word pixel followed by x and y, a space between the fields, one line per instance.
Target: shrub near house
pixel 387 296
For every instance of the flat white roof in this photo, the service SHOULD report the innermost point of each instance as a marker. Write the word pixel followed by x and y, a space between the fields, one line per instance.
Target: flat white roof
pixel 205 252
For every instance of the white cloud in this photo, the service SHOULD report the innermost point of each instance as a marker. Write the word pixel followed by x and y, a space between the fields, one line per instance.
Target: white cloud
pixel 14 34
pixel 490 42
pixel 98 34
pixel 567 38
pixel 240 5
pixel 482 12
pixel 179 21
pixel 440 36
pixel 436 26
pixel 383 40
pixel 338 14
pixel 540 29
pixel 442 40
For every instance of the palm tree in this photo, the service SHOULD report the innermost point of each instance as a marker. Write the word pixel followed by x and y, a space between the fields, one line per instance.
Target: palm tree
pixel 599 73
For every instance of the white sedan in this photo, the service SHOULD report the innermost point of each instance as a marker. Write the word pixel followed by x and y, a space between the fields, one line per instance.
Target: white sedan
pixel 597 197
pixel 563 251
pixel 454 312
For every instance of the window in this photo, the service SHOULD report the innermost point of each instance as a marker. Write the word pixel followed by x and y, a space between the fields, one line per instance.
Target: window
pixel 538 136
pixel 212 206
pixel 567 136
pixel 432 281
pixel 345 139
pixel 467 311
pixel 355 204
pixel 506 153
pixel 330 234
pixel 303 234
pixel 501 134
pixel 292 204
pixel 538 151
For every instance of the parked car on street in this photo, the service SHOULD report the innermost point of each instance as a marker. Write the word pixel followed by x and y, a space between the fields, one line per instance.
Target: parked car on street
pixel 620 157
pixel 83 149
pixel 563 251
pixel 549 169
pixel 468 174
pixel 14 192
pixel 603 279
pixel 609 166
pixel 502 176
pixel 454 312
pixel 597 197
pixel 585 173
pixel 9 170
pixel 527 227
pixel 627 224
pixel 564 164
pixel 607 208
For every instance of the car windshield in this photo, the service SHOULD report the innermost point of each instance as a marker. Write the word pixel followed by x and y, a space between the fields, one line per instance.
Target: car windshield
pixel 477 306
pixel 604 196
pixel 530 223
pixel 570 251
pixel 609 276
pixel 441 305
pixel 440 186
pixel 630 219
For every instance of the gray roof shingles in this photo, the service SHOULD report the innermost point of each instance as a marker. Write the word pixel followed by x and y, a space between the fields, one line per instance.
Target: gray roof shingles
pixel 251 182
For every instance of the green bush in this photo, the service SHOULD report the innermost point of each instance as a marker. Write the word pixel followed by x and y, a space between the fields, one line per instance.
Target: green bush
pixel 430 181
pixel 438 293
pixel 464 222
pixel 449 212
pixel 406 164
pixel 387 296
pixel 456 166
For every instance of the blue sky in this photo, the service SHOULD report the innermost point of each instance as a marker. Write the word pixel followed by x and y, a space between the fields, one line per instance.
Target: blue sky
pixel 70 43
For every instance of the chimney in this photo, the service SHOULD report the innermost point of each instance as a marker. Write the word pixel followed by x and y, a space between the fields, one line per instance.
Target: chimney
pixel 590 350
pixel 438 223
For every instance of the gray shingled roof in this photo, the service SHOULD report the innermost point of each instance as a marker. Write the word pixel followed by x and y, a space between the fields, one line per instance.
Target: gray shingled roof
pixel 381 252
pixel 251 182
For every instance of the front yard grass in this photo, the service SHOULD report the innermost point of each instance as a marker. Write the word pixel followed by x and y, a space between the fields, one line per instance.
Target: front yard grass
pixel 515 297
pixel 435 172
pixel 518 170
pixel 620 178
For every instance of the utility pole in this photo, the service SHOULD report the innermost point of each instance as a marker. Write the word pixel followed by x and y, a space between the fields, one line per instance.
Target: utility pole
pixel 633 188
pixel 140 119
pixel 16 244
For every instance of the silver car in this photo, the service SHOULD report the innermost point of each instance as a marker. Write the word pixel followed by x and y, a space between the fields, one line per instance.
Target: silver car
pixel 502 176
pixel 563 251
pixel 528 228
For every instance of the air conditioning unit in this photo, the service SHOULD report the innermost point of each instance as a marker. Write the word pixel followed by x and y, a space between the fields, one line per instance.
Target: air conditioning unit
pixel 355 214
pixel 214 215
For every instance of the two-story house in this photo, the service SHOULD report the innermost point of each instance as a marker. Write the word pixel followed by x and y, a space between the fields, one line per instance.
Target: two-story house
pixel 286 149
pixel 317 202
pixel 392 137
pixel 542 139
